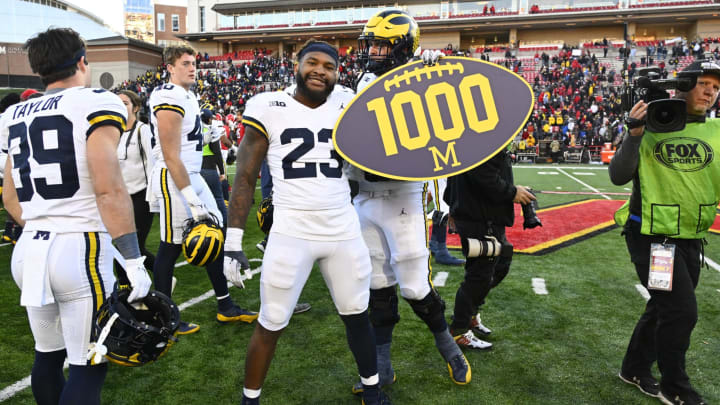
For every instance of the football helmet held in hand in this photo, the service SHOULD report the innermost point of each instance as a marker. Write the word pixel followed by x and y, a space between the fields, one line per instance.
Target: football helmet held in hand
pixel 265 214
pixel 133 337
pixel 202 240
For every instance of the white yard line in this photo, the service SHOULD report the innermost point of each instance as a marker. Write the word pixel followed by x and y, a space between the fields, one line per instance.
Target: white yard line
pixel 583 174
pixel 181 264
pixel 440 279
pixel 10 391
pixel 643 291
pixel 548 173
pixel 538 285
pixel 5 244
pixel 712 263
pixel 584 184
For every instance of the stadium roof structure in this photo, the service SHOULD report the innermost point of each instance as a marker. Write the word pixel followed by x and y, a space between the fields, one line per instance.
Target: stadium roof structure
pixel 263 5
pixel 474 24
pixel 23 19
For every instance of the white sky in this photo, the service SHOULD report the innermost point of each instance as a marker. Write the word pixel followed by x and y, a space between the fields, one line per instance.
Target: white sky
pixel 110 11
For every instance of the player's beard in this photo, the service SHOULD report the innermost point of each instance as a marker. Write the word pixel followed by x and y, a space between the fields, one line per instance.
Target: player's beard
pixel 314 95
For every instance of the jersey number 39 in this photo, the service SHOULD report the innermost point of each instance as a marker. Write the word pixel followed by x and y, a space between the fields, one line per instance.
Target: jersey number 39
pixel 45 151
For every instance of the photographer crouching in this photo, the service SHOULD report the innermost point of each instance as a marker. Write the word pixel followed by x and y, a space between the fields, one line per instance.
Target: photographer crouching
pixel 481 205
pixel 675 193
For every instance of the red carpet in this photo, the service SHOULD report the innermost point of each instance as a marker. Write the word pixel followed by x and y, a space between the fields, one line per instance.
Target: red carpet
pixel 562 225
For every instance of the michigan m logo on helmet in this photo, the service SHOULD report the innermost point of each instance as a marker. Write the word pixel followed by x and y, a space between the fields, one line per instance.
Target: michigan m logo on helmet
pixel 202 241
pixel 394 31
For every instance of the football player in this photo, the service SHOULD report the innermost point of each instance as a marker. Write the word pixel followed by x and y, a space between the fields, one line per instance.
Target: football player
pixel 313 220
pixel 63 182
pixel 392 216
pixel 177 184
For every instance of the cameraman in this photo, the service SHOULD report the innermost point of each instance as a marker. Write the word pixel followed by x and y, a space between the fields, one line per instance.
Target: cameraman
pixel 481 204
pixel 673 204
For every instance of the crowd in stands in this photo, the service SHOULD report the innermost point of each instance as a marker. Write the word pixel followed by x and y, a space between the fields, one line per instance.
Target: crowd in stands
pixel 578 102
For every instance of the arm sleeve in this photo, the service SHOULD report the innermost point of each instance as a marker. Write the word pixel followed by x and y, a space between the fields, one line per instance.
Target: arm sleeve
pixel 253 116
pixel 625 162
pixel 106 109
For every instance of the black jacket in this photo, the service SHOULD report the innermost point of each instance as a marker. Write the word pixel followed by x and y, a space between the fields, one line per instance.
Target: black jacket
pixel 483 194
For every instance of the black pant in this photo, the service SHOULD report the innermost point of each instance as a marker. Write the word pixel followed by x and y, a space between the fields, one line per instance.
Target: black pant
pixel 663 332
pixel 479 272
pixel 143 223
pixel 212 178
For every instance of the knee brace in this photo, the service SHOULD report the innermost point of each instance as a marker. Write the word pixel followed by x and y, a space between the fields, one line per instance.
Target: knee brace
pixel 384 307
pixel 431 310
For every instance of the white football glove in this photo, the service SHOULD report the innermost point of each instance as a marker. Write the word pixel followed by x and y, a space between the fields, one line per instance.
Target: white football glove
pixel 235 260
pixel 198 210
pixel 431 57
pixel 139 279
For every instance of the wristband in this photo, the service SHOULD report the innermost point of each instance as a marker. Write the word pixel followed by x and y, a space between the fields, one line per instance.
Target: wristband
pixel 233 240
pixel 633 123
pixel 128 245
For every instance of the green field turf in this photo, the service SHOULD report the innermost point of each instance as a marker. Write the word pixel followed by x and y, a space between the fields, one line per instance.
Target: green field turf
pixel 562 348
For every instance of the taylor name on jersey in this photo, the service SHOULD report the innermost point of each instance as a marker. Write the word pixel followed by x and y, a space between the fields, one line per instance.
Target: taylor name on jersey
pixel 170 97
pixel 301 157
pixel 46 138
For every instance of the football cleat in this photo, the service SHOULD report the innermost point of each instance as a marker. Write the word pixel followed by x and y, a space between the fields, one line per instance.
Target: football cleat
pixel 134 334
pixel 188 328
pixel 375 396
pixel 459 369
pixel 477 327
pixel 358 388
pixel 469 341
pixel 235 314
pixel 301 307
pixel 262 244
pixel 202 241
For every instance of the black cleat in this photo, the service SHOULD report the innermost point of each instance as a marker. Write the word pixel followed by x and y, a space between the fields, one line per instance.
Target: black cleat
pixel 235 313
pixel 647 385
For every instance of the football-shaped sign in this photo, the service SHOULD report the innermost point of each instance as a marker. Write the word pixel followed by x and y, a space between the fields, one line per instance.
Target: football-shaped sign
pixel 420 122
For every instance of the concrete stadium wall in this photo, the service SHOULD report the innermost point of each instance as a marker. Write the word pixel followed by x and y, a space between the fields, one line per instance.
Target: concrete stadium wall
pixel 439 40
pixel 707 28
pixel 570 35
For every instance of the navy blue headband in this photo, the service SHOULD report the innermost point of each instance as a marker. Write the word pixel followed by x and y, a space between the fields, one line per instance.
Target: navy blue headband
pixel 79 54
pixel 320 47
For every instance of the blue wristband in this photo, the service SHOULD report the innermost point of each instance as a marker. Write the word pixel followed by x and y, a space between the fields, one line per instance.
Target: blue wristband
pixel 128 245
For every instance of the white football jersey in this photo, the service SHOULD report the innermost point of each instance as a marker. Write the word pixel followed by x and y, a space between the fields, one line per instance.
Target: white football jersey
pixel 306 170
pixel 361 176
pixel 171 97
pixel 46 139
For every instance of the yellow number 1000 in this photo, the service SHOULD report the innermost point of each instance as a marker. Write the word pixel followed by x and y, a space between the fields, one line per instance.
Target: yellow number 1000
pixel 379 107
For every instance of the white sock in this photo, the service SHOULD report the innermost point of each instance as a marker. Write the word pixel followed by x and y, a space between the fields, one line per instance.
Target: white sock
pixel 251 394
